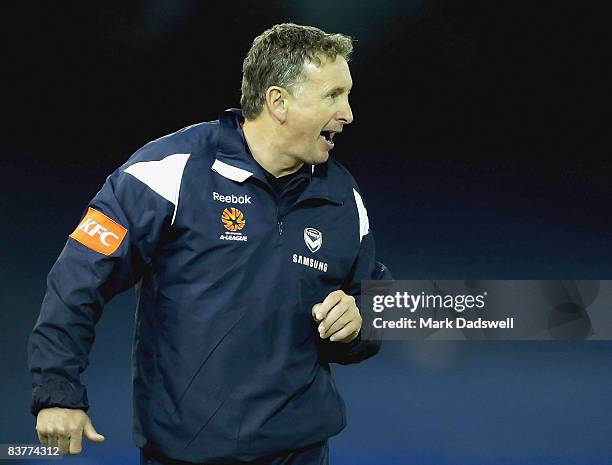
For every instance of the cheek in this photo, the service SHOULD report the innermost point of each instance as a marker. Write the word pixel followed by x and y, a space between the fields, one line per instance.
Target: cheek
pixel 306 124
pixel 309 133
pixel 301 126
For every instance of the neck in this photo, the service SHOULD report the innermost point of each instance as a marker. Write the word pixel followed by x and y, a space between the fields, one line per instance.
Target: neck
pixel 265 144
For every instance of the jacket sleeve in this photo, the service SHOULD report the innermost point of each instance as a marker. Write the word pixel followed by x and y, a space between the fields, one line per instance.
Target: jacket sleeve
pixel 106 254
pixel 367 343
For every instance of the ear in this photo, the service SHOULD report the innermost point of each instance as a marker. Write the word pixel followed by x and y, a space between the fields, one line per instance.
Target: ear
pixel 277 102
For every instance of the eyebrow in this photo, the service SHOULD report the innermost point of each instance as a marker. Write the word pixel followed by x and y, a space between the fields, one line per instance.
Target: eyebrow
pixel 338 89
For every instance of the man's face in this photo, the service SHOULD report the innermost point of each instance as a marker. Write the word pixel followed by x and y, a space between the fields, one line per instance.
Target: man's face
pixel 320 104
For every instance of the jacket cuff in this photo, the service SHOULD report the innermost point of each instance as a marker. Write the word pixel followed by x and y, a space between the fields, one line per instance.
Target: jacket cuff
pixel 58 393
pixel 344 347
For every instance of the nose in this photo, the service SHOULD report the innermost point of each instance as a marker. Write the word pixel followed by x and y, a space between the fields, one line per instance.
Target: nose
pixel 345 115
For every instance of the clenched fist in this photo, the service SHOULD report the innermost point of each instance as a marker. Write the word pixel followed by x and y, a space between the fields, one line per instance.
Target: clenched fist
pixel 338 317
pixel 65 427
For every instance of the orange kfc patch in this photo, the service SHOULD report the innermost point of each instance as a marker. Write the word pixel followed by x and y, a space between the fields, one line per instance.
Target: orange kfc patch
pixel 98 232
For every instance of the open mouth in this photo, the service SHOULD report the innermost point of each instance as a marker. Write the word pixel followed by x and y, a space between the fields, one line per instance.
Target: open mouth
pixel 327 137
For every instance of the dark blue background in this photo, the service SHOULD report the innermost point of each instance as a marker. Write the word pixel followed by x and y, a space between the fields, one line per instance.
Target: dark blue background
pixel 481 144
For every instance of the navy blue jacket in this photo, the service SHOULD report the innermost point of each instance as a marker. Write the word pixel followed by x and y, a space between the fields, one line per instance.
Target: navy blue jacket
pixel 227 361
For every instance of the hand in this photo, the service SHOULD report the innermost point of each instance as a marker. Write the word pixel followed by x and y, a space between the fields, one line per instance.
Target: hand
pixel 64 427
pixel 338 316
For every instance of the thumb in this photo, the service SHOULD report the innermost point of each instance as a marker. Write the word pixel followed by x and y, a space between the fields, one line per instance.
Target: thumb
pixel 91 433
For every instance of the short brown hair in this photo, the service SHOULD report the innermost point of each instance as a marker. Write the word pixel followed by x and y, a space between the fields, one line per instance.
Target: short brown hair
pixel 277 57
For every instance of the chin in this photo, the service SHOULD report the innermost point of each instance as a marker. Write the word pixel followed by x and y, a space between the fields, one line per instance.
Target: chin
pixel 320 158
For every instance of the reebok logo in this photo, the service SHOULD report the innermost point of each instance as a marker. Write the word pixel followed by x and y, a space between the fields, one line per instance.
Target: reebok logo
pixel 232 198
pixel 98 232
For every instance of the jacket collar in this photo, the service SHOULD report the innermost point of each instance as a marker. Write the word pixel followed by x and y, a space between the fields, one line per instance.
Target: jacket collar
pixel 234 161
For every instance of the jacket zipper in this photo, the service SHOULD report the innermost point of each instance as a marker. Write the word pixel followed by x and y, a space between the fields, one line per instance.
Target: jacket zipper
pixel 279 221
pixel 279 217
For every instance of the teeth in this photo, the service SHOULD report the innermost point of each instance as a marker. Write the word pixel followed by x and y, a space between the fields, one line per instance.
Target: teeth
pixel 327 136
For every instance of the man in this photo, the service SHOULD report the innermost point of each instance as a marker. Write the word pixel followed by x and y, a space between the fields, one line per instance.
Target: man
pixel 247 245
